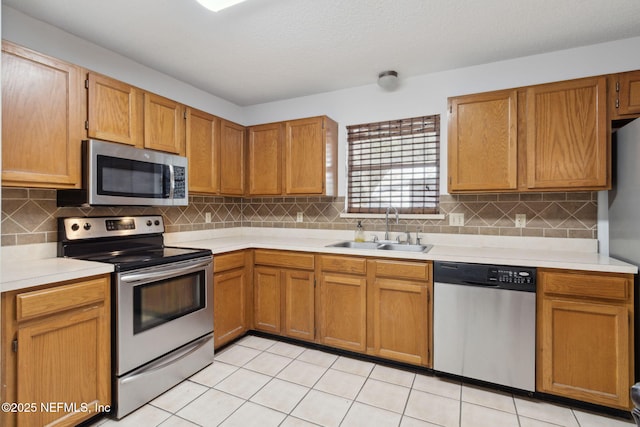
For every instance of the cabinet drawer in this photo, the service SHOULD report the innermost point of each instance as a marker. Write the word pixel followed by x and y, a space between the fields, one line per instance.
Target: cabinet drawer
pixel 344 264
pixel 590 285
pixel 284 259
pixel 228 261
pixel 47 301
pixel 402 269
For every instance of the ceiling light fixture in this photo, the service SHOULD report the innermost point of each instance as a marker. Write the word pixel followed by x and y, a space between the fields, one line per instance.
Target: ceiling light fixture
pixel 218 5
pixel 388 80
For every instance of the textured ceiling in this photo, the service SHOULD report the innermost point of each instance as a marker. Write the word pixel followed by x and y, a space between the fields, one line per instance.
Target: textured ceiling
pixel 265 50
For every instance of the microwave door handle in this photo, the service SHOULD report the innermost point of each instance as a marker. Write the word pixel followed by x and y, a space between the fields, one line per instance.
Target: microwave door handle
pixel 172 181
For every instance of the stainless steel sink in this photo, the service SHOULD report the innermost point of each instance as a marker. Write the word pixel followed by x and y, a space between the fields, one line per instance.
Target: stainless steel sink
pixel 355 245
pixel 404 247
pixel 381 246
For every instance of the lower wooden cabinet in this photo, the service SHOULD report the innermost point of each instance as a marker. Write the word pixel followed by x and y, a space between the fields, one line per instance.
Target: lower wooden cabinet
pixel 267 289
pixel 284 293
pixel 342 302
pixel 231 296
pixel 399 308
pixel 56 348
pixel 585 336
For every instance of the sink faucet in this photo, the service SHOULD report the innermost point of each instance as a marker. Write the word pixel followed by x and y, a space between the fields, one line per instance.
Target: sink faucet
pixel 386 230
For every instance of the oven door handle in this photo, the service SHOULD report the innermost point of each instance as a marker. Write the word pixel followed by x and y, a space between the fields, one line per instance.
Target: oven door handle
pixel 184 352
pixel 159 275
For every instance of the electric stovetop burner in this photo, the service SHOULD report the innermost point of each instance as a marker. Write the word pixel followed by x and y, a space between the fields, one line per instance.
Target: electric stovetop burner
pixel 129 242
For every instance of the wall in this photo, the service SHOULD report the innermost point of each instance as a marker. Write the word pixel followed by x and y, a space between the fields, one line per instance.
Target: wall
pixel 37 35
pixel 427 94
pixel 30 215
pixel 554 214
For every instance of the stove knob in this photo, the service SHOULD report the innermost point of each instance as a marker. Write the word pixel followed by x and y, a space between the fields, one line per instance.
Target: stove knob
pixel 75 227
pixel 157 222
pixel 149 223
pixel 87 226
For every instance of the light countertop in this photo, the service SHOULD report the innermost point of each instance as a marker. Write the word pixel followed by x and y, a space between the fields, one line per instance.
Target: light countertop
pixel 33 265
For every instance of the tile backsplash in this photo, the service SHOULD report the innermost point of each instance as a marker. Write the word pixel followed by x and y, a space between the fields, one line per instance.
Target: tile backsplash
pixel 30 215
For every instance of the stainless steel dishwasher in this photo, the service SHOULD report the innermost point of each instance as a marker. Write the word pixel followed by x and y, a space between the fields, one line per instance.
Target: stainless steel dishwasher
pixel 484 320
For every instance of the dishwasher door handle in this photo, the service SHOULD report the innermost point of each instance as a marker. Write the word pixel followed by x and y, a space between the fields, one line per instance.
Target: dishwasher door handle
pixel 480 284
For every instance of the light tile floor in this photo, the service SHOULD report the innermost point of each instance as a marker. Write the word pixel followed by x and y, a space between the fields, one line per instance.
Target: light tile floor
pixel 262 382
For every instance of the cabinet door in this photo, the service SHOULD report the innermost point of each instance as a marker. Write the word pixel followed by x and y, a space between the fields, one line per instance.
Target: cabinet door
pixel 483 142
pixel 568 144
pixel 629 93
pixel 299 305
pixel 305 156
pixel 70 325
pixel 203 152
pixel 163 124
pixel 343 311
pixel 76 369
pixel 229 305
pixel 584 351
pixel 267 299
pixel 43 115
pixel 265 159
pixel 115 111
pixel 624 93
pixel 400 320
pixel 232 158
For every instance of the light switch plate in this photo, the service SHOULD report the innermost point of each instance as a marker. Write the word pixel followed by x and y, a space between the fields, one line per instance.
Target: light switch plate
pixel 300 217
pixel 207 217
pixel 521 220
pixel 456 219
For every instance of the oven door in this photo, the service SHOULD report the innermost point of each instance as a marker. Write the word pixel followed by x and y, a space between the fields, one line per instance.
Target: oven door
pixel 161 308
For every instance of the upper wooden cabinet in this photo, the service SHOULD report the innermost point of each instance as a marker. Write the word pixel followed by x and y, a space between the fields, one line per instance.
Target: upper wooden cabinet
pixel 568 140
pixel 43 114
pixel 122 113
pixel 296 157
pixel 625 95
pixel 203 151
pixel 232 158
pixel 163 124
pixel 265 159
pixel 311 151
pixel 483 138
pixel 115 110
pixel 585 336
pixel 551 137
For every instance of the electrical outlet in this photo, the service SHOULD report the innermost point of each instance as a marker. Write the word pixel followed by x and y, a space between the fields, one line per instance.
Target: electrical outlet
pixel 521 220
pixel 207 217
pixel 456 219
pixel 300 217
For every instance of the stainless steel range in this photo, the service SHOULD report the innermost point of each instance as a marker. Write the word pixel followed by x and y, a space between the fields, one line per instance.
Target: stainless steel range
pixel 162 303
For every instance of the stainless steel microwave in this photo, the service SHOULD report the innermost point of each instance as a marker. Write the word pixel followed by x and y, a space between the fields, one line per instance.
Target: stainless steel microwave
pixel 117 175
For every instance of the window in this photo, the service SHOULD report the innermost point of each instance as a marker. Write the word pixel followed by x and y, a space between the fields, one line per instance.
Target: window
pixel 394 163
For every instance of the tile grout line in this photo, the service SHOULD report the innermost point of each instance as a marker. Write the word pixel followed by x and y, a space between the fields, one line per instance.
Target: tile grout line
pixel 357 394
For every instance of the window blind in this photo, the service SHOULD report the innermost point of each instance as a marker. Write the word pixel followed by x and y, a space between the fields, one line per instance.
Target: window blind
pixel 394 163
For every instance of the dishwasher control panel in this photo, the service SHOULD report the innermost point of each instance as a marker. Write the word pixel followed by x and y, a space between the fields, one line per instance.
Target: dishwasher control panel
pixel 487 275
pixel 511 275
